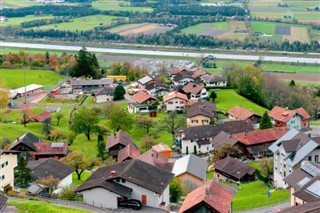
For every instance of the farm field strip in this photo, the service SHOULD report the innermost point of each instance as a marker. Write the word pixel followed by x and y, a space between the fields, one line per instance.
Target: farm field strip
pixel 116 5
pixel 19 20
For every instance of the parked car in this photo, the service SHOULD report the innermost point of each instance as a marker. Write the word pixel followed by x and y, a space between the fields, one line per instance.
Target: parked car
pixel 131 203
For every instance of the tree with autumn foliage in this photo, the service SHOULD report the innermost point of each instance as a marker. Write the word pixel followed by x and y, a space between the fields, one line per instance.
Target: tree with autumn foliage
pixel 50 182
pixel 226 150
pixel 4 95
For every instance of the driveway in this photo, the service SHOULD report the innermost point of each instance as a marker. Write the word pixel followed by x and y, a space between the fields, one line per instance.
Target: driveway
pixel 269 209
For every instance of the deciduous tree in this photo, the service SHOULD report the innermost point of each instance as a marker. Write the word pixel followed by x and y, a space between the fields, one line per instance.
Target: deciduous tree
pixel 226 150
pixel 144 122
pixel 84 121
pixel 120 119
pixel 50 182
pixel 147 142
pixel 4 95
pixel 176 188
pixel 172 122
pixel 58 116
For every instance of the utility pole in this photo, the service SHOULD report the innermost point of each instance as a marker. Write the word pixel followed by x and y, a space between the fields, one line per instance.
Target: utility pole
pixel 25 99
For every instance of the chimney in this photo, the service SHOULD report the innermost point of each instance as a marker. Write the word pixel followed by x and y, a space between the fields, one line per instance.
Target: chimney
pixel 286 108
pixel 113 173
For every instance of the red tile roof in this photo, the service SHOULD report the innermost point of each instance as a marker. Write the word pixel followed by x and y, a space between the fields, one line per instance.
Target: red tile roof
pixel 199 72
pixel 301 111
pixel 175 94
pixel 260 136
pixel 177 70
pixel 52 148
pixel 241 113
pixel 191 102
pixel 156 159
pixel 282 114
pixel 129 151
pixel 213 194
pixel 192 88
pixel 142 97
pixel 42 116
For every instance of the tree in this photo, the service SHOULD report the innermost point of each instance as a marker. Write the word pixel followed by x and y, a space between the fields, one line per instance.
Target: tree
pixel 4 95
pixel 120 119
pixel 84 121
pixel 266 167
pixel 68 193
pixel 50 182
pixel 147 142
pixel 86 64
pixel 79 163
pixel 22 173
pixel 101 145
pixel 58 115
pixel 45 129
pixel 226 150
pixel 172 122
pixel 4 143
pixel 213 95
pixel 119 93
pixel 292 83
pixel 265 122
pixel 176 188
pixel 144 122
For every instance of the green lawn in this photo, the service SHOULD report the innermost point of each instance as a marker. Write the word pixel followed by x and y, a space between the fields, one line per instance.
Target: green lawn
pixel 229 98
pixel 14 78
pixel 19 20
pixel 115 5
pixel 201 28
pixel 85 175
pixel 82 23
pixel 254 195
pixel 290 68
pixel 123 27
pixel 41 207
pixel 18 3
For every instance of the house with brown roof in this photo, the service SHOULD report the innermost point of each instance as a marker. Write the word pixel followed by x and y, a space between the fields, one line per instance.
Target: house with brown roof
pixel 201 113
pixel 131 179
pixel 142 82
pixel 8 161
pixel 42 117
pixel 117 142
pixel 54 150
pixel 142 101
pixel 242 114
pixel 195 91
pixel 255 144
pixel 163 149
pixel 283 117
pixel 214 80
pixel 25 144
pixel 231 169
pixel 157 159
pixel 174 101
pixel 209 197
pixel 104 94
pixel 127 153
pixel 182 78
pixel 310 207
pixel 157 88
pixel 304 184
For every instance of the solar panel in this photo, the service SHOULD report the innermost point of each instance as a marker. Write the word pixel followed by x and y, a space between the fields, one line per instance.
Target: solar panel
pixel 314 188
pixel 57 145
pixel 304 181
pixel 310 168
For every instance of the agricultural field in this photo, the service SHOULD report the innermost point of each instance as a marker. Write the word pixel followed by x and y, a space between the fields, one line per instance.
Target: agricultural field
pixel 280 32
pixel 118 5
pixel 18 3
pixel 14 78
pixel 136 29
pixel 82 23
pixel 18 21
pixel 220 30
pixel 300 68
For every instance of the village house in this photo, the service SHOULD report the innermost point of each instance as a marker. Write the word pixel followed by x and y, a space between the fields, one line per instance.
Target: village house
pixel 157 88
pixel 104 94
pixel 209 197
pixel 142 101
pixel 197 139
pixel 127 153
pixel 88 86
pixel 176 71
pixel 231 169
pixel 304 183
pixel 8 161
pixel 195 91
pixel 192 170
pixel 163 149
pixel 214 80
pixel 157 159
pixel 44 116
pixel 288 153
pixel 242 114
pixel 132 179
pixel 26 91
pixel 182 78
pixel 142 82
pixel 117 142
pixel 201 113
pixel 283 117
pixel 51 167
pixel 25 144
pixel 174 101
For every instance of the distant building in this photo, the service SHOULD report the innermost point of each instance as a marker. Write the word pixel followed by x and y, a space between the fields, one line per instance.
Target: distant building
pixel 104 94
pixel 242 114
pixel 8 161
pixel 26 91
pixel 214 80
pixel 88 86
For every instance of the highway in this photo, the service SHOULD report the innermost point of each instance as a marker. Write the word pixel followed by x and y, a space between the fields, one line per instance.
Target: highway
pixel 161 53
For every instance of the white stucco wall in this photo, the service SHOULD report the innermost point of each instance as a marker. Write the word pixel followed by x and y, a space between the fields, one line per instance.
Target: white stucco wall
pixel 294 122
pixel 100 197
pixel 8 170
pixel 187 143
pixel 103 98
pixel 183 81
pixel 177 104
pixel 217 84
pixel 67 181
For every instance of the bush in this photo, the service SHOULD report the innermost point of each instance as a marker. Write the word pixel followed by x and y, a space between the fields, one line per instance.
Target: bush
pixel 12 193
pixel 68 193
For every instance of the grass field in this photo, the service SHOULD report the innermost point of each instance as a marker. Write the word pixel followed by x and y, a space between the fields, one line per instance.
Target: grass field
pixel 82 23
pixel 14 78
pixel 229 98
pixel 254 195
pixel 290 68
pixel 18 21
pixel 115 5
pixel 85 175
pixel 18 3
pixel 41 206
pixel 123 27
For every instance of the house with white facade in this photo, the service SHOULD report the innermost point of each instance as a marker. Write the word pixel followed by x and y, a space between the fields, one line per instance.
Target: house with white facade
pixel 288 153
pixel 131 179
pixel 174 101
pixel 104 94
pixel 51 167
pixel 87 86
pixel 195 91
pixel 8 161
pixel 183 78
pixel 214 80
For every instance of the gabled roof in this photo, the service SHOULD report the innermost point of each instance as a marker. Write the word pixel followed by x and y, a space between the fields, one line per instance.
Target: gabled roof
pixel 198 73
pixel 141 97
pixel 210 131
pixel 212 78
pixel 234 167
pixel 260 136
pixel 190 164
pixel 3 200
pixel 241 113
pixel 177 70
pixel 144 80
pixel 28 140
pixel 119 138
pixel 108 90
pixel 134 171
pixel 156 159
pixel 204 108
pixel 281 114
pixel 214 195
pixel 52 148
pixel 301 111
pixel 222 139
pixel 182 75
pixel 42 116
pixel 4 151
pixel 190 102
pixel 129 151
pixel 161 148
pixel 310 191
pixel 192 88
pixel 310 207
pixel 156 83
pixel 291 145
pixel 173 95
pixel 46 167
pixel 102 81
pixel 116 188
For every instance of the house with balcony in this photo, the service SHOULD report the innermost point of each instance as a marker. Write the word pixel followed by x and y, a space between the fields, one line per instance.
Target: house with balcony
pixel 214 80
pixel 201 113
pixel 195 91
pixel 175 101
pixel 142 101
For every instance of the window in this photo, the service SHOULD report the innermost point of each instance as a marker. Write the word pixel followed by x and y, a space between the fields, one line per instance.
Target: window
pixel 284 165
pixel 316 158
pixel 181 102
pixel 123 180
pixel 276 168
pixel 205 121
pixel 2 178
pixel 284 174
pixel 170 102
pixel 6 163
pixel 309 158
pixel 194 121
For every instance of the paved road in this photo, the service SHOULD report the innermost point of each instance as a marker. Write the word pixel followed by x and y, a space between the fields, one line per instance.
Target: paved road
pixel 269 209
pixel 161 53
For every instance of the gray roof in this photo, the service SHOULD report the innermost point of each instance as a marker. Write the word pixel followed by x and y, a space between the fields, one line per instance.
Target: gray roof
pixel 212 78
pixel 105 91
pixel 191 164
pixel 288 136
pixel 103 81
pixel 27 139
pixel 222 139
pixel 145 80
pixel 204 108
pixel 291 145
pixel 34 188
pixel 3 201
pixel 310 207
